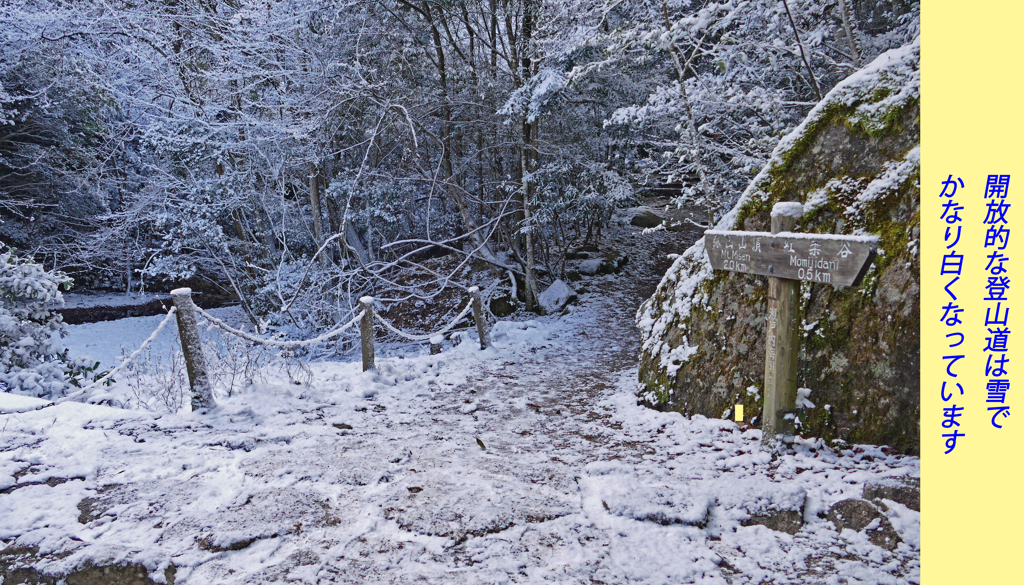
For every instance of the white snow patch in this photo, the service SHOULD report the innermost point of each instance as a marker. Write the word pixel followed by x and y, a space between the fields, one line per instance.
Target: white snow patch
pixel 788 209
pixel 11 403
pixel 801 398
pixel 556 297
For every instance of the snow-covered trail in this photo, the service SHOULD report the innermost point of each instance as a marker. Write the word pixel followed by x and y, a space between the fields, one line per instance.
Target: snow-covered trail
pixel 528 462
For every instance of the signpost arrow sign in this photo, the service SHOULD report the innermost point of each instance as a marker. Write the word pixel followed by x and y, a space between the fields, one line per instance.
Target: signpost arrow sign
pixel 821 258
pixel 787 259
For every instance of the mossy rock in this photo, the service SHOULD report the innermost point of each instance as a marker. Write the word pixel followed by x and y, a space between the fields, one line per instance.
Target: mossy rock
pixel 17 566
pixel 855 164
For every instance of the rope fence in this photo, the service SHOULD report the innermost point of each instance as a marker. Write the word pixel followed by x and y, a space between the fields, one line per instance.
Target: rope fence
pixel 274 342
pixel 195 360
pixel 451 325
pixel 124 364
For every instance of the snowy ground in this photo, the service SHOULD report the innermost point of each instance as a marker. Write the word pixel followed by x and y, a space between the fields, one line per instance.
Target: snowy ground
pixel 526 463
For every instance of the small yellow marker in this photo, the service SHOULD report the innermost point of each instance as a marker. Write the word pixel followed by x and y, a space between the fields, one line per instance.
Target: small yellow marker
pixel 739 413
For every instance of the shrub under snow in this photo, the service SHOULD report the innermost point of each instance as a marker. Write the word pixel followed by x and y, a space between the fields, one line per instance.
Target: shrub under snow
pixel 31 361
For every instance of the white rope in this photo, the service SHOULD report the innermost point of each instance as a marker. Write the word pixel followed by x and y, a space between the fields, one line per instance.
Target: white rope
pixel 451 325
pixel 275 343
pixel 126 361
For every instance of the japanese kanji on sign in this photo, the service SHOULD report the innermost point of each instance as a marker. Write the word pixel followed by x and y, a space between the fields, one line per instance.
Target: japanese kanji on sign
pixel 787 258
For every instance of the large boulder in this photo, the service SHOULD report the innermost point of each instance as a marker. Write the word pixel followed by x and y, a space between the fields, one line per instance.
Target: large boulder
pixel 505 300
pixel 855 165
pixel 504 305
pixel 556 297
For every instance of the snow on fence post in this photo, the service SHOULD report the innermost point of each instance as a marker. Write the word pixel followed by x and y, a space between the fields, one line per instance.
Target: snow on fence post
pixel 435 344
pixel 366 332
pixel 480 318
pixel 192 349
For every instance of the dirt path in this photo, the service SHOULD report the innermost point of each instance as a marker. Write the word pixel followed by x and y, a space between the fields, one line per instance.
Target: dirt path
pixel 529 462
pixel 537 414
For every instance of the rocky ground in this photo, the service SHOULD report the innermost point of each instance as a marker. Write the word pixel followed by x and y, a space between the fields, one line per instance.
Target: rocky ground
pixel 527 462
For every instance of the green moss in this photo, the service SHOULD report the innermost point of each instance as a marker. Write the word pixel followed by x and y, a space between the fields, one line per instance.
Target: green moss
pixel 831 114
pixel 862 357
pixel 752 208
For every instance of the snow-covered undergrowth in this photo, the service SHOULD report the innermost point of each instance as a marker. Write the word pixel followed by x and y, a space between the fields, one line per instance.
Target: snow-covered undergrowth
pixel 529 462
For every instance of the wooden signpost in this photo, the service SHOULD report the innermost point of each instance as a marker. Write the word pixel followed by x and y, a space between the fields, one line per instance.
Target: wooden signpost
pixel 787 258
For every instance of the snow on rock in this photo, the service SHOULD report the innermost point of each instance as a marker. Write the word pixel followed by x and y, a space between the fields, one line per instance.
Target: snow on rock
pixel 900 490
pixel 619 491
pixel 855 163
pixel 556 297
pixel 862 516
pixel 591 267
pixel 755 496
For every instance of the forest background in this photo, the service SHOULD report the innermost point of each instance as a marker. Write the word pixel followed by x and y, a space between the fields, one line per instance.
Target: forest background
pixel 296 155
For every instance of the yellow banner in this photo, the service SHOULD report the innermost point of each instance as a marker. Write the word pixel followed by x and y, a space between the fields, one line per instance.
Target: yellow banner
pixel 971 180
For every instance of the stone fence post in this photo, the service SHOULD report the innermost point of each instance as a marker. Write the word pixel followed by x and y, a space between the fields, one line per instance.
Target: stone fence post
pixel 480 318
pixel 192 349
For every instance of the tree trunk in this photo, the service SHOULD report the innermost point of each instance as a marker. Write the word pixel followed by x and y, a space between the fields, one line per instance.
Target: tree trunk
pixel 844 10
pixel 318 226
pixel 528 156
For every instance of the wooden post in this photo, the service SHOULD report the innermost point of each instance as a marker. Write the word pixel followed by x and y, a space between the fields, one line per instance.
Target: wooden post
pixel 481 319
pixel 787 259
pixel 192 348
pixel 366 332
pixel 782 347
